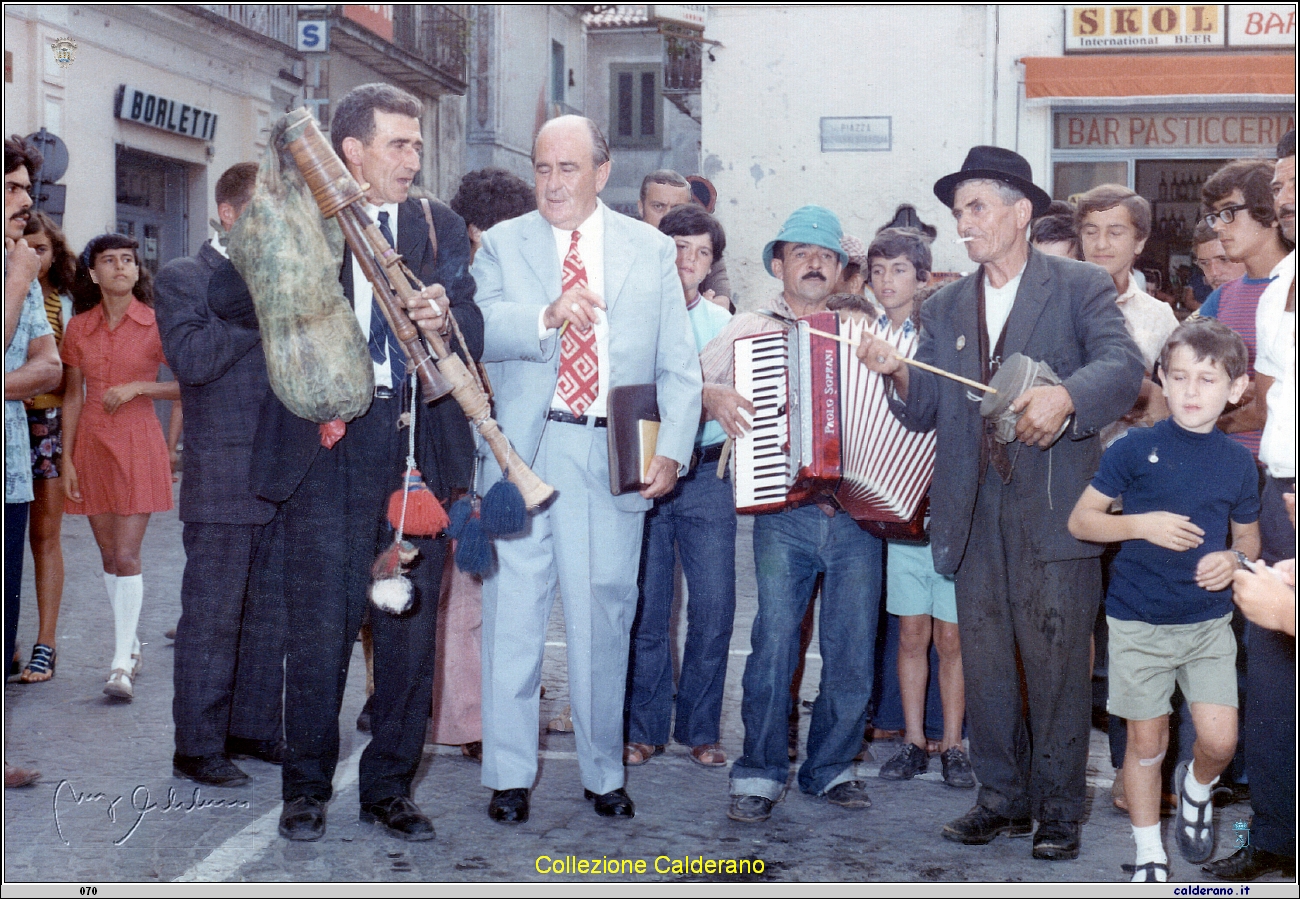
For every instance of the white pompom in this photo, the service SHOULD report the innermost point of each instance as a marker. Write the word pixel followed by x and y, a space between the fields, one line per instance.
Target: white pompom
pixel 392 594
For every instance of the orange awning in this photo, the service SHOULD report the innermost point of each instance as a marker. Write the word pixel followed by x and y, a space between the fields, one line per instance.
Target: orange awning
pixel 1218 76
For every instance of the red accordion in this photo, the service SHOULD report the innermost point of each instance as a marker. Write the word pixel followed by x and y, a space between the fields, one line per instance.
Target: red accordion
pixel 822 425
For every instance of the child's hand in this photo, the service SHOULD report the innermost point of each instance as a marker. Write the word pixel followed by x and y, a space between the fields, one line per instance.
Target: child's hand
pixel 1172 531
pixel 1214 572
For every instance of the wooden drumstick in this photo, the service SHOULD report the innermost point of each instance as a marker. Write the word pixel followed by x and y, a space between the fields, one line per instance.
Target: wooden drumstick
pixel 912 362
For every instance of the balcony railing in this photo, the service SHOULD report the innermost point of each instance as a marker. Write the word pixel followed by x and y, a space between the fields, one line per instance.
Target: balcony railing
pixel 683 64
pixel 438 35
pixel 276 21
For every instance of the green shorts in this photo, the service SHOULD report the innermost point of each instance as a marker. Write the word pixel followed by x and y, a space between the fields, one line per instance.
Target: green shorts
pixel 1146 660
pixel 914 587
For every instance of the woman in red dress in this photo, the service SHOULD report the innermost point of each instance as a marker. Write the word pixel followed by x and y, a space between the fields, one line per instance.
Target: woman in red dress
pixel 118 472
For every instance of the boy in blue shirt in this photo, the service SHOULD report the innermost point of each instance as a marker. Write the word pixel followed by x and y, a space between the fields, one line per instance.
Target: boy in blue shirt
pixel 1186 488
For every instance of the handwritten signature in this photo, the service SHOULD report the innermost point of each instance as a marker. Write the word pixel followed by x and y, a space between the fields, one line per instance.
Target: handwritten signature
pixel 141 805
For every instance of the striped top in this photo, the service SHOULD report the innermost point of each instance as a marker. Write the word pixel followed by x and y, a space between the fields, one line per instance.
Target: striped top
pixel 1236 309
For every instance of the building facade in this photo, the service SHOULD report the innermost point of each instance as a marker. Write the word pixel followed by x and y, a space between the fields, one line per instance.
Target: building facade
pixel 155 102
pixel 861 108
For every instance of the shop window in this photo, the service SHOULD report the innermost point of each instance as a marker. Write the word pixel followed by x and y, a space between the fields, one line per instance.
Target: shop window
pixel 1069 179
pixel 636 106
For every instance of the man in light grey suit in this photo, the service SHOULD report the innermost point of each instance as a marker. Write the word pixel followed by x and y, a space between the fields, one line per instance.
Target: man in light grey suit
pixel 998 512
pixel 548 281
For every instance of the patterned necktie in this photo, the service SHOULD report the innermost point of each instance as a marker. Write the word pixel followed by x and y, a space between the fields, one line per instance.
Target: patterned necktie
pixel 383 342
pixel 579 372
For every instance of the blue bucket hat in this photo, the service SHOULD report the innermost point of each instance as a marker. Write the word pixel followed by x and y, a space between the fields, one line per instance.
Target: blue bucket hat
pixel 814 225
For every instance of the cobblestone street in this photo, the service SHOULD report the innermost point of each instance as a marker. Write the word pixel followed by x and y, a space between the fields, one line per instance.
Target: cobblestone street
pixel 108 810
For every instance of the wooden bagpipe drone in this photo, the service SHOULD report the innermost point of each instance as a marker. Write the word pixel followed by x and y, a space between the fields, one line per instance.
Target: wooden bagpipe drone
pixel 288 246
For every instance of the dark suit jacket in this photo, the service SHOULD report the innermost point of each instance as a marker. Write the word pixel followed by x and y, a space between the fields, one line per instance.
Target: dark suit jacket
pixel 286 445
pixel 222 373
pixel 1065 315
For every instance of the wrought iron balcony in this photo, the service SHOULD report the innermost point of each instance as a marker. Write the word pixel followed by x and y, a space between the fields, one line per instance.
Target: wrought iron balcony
pixel 428 47
pixel 276 21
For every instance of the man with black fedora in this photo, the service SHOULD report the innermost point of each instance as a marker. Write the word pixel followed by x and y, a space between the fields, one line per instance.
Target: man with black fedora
pixel 999 511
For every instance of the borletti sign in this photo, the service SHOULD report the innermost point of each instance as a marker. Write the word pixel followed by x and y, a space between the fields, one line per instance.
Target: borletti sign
pixel 136 105
pixel 1226 131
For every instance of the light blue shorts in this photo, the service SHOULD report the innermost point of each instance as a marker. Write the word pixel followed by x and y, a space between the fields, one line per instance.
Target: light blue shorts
pixel 915 588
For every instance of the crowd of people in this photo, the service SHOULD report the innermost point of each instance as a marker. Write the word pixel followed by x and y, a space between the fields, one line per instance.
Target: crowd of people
pixel 1148 469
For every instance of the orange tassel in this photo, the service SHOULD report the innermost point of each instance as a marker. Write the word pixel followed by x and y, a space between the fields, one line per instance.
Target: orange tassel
pixel 425 516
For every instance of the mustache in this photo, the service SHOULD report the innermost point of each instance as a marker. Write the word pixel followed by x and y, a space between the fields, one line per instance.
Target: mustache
pixel 814 275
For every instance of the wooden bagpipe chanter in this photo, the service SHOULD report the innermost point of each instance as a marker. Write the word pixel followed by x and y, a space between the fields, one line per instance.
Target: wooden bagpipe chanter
pixel 822 425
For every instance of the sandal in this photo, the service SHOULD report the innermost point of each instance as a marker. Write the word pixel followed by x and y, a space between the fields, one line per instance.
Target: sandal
pixel 40 667
pixel 119 685
pixel 1148 872
pixel 710 755
pixel 1195 835
pixel 636 754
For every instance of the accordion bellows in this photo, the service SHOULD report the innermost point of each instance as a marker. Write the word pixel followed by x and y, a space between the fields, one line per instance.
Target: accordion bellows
pixel 317 359
pixel 822 424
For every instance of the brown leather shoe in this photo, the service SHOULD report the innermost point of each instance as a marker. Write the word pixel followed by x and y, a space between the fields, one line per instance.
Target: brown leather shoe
pixel 16 777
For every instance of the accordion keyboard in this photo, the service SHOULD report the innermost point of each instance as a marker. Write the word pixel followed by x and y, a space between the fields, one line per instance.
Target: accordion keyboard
pixel 763 467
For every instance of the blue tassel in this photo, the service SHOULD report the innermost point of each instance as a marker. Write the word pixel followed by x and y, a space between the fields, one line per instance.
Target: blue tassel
pixel 503 510
pixel 461 511
pixel 473 549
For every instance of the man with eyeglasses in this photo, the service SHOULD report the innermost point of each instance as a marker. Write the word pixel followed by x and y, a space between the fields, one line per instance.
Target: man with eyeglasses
pixel 1239 197
pixel 1270 674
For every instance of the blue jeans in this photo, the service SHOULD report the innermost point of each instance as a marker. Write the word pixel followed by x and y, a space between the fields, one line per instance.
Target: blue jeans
pixel 790 549
pixel 698 519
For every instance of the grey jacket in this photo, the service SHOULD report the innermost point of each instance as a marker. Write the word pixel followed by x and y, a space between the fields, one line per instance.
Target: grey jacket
pixel 1065 315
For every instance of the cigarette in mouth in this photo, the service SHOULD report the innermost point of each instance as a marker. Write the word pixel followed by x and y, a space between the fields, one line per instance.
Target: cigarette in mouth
pixel 964 239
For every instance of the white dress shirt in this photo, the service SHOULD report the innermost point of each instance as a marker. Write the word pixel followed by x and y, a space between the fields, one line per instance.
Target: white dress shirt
pixel 1275 357
pixel 363 293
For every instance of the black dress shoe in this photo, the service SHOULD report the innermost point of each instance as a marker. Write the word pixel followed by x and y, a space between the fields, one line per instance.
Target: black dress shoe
pixel 979 826
pixel 509 806
pixel 1057 841
pixel 212 770
pixel 614 804
pixel 1250 863
pixel 269 751
pixel 303 819
pixel 401 816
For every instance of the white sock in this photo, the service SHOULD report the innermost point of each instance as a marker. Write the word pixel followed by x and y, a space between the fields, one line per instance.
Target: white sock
pixel 1196 790
pixel 126 617
pixel 1149 849
pixel 110 584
